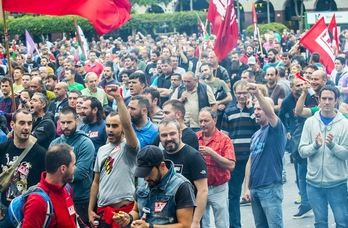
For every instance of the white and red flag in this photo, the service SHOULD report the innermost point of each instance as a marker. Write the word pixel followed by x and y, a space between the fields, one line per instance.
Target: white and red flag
pixel 334 33
pixel 254 20
pixel 317 39
pixel 222 15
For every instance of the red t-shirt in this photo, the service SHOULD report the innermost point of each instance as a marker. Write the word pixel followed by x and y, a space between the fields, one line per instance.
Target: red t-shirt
pixel 96 68
pixel 222 144
pixel 64 210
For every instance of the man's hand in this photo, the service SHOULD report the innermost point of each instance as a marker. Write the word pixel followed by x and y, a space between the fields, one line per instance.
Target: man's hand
pixel 249 102
pixel 122 218
pixel 113 90
pixel 329 139
pixel 184 96
pixel 318 140
pixel 91 217
pixel 195 224
pixel 221 107
pixel 139 224
pixel 288 136
pixel 247 195
pixel 305 87
pixel 252 88
pixel 205 150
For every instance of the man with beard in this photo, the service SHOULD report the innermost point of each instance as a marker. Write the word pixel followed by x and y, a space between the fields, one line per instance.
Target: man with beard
pixel 155 111
pixel 92 89
pixel 113 188
pixel 70 80
pixel 287 60
pixel 275 91
pixel 30 167
pixel 249 51
pixel 160 179
pixel 236 69
pixel 6 100
pixel 50 82
pixel 61 100
pixel 37 86
pixel 218 152
pixel 92 115
pixel 145 130
pixel 263 185
pixel 60 167
pixel 273 60
pixel 83 150
pixel 187 161
pixel 108 79
pixel 44 128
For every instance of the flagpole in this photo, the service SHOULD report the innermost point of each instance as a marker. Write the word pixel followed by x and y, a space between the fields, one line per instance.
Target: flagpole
pixel 79 39
pixel 258 37
pixel 8 59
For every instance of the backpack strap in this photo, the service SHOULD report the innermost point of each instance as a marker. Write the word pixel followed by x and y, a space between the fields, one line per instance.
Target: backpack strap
pixel 49 205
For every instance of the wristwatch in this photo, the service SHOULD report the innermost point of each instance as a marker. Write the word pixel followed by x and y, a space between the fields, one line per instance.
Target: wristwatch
pixel 150 225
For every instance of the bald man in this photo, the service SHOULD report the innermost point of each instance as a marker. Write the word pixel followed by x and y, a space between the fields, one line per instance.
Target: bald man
pixel 61 100
pixel 37 86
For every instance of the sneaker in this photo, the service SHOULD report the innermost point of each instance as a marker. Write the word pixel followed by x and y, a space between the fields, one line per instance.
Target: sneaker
pixel 244 202
pixel 302 212
pixel 298 200
pixel 284 179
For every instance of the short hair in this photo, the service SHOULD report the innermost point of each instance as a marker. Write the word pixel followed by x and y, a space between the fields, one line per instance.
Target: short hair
pixel 154 93
pixel 166 60
pixel 43 99
pixel 211 111
pixel 157 53
pixel 129 57
pixel 126 71
pixel 239 83
pixel 176 74
pixel 250 72
pixel 287 54
pixel 204 64
pixel 168 120
pixel 52 76
pixel 20 110
pixel 341 59
pixel 176 106
pixel 56 156
pixel 68 110
pixel 282 72
pixel 314 67
pixel 95 103
pixel 274 51
pixel 331 88
pixel 5 79
pixel 234 53
pixel 109 64
pixel 138 75
pixel 112 114
pixel 76 91
pixel 19 68
pixel 89 74
pixel 44 57
pixel 143 102
pixel 315 57
pixel 72 71
pixel 275 68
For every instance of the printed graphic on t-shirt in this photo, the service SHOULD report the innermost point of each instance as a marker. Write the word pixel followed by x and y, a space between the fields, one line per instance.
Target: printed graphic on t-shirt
pixel 109 163
pixel 178 168
pixel 257 146
pixel 19 182
pixel 93 134
pixel 159 206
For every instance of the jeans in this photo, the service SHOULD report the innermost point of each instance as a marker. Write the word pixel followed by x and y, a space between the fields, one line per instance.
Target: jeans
pixel 82 211
pixel 319 199
pixel 217 199
pixel 6 222
pixel 302 184
pixel 266 203
pixel 234 192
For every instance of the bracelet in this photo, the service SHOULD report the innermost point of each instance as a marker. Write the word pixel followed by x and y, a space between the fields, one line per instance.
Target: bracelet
pixel 130 219
pixel 151 226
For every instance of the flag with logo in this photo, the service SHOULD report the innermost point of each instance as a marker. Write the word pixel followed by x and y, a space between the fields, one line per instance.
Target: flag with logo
pixel 222 15
pixel 254 21
pixel 29 43
pixel 82 44
pixel 317 39
pixel 334 33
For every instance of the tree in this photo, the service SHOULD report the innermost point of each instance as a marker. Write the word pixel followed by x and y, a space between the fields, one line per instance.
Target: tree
pixel 299 12
pixel 149 2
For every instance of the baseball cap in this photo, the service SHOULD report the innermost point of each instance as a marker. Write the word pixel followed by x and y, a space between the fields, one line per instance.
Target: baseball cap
pixel 147 158
pixel 79 63
pixel 251 60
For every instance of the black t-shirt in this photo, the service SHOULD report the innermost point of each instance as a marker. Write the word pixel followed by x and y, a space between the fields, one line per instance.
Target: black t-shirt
pixel 29 170
pixel 188 137
pixel 188 162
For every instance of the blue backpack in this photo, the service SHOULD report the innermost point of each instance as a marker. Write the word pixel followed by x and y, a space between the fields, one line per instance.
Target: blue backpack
pixel 15 209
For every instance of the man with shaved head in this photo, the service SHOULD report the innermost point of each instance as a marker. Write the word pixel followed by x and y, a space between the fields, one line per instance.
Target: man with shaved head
pixel 263 185
pixel 61 100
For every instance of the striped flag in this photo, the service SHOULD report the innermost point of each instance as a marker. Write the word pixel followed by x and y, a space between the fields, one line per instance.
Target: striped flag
pixel 334 33
pixel 82 42
pixel 254 21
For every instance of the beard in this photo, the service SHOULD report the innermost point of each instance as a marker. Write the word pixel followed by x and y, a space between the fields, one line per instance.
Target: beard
pixel 67 133
pixel 170 148
pixel 87 118
pixel 153 183
pixel 135 119
pixel 235 65
pixel 271 60
pixel 68 177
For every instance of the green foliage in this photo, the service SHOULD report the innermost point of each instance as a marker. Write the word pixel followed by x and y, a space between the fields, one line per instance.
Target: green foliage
pixel 38 25
pixel 263 28
pixel 149 2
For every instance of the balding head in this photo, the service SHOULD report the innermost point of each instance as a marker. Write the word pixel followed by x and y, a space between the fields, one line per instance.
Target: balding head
pixel 36 85
pixel 60 90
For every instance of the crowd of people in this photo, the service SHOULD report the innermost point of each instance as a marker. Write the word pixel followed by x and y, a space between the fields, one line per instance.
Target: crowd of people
pixel 153 131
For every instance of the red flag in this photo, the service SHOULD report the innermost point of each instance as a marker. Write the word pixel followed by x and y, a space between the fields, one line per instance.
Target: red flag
pixel 334 33
pixel 105 15
pixel 317 39
pixel 222 15
pixel 254 20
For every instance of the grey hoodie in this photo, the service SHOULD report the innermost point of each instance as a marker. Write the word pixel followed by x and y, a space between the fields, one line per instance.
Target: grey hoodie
pixel 327 166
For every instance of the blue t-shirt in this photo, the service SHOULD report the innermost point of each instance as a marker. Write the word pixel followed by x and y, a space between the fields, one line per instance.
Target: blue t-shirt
pixel 3 137
pixel 96 133
pixel 147 134
pixel 326 120
pixel 267 150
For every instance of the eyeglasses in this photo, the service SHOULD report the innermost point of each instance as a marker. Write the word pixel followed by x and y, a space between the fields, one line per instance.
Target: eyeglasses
pixel 242 93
